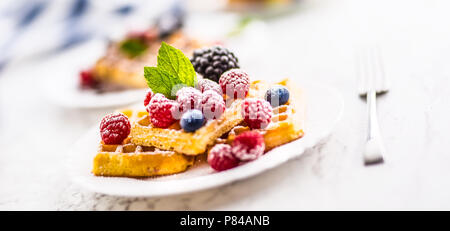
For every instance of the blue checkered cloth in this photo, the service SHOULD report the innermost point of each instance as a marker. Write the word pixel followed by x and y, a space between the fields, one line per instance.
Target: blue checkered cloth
pixel 39 27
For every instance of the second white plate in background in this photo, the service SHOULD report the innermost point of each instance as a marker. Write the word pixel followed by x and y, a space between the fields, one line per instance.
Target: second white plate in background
pixel 61 74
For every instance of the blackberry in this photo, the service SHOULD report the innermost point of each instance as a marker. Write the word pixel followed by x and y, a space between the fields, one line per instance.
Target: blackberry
pixel 212 62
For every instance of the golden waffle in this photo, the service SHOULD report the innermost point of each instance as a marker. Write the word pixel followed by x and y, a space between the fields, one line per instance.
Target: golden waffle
pixel 287 121
pixel 117 69
pixel 131 160
pixel 189 143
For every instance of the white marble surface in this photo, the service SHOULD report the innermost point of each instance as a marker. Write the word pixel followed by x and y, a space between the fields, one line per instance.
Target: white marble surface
pixel 317 43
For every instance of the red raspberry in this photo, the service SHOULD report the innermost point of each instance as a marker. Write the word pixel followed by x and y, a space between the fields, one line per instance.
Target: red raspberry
pixel 161 111
pixel 257 113
pixel 213 105
pixel 189 98
pixel 248 146
pixel 148 97
pixel 87 79
pixel 220 157
pixel 144 36
pixel 114 128
pixel 235 83
pixel 206 84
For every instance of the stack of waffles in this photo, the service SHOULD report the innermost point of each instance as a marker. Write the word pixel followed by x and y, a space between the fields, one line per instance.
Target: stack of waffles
pixel 151 151
pixel 117 69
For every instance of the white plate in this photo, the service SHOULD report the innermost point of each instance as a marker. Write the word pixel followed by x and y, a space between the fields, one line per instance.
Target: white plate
pixel 60 80
pixel 324 109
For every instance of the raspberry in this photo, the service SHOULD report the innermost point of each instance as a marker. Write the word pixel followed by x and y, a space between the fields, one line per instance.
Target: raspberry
pixel 189 98
pixel 257 113
pixel 213 105
pixel 220 157
pixel 161 111
pixel 87 79
pixel 114 128
pixel 248 146
pixel 235 83
pixel 144 36
pixel 148 97
pixel 206 84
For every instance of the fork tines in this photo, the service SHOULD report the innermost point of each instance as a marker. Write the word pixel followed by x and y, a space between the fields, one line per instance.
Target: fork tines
pixel 370 71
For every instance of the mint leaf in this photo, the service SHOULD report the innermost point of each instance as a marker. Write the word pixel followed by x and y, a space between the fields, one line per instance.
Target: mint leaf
pixel 160 81
pixel 173 71
pixel 133 47
pixel 176 63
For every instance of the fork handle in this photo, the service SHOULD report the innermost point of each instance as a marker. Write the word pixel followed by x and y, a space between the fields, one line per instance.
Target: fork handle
pixel 374 148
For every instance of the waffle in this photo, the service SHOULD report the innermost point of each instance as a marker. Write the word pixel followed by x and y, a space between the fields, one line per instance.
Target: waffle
pixel 288 120
pixel 131 160
pixel 116 69
pixel 174 138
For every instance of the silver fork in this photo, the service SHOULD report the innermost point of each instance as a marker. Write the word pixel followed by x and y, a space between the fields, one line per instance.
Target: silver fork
pixel 372 81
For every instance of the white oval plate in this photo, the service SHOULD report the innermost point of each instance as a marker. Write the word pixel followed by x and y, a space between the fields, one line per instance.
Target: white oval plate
pixel 60 80
pixel 324 109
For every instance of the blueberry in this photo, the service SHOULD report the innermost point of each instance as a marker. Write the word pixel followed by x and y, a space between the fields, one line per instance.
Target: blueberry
pixel 192 120
pixel 277 95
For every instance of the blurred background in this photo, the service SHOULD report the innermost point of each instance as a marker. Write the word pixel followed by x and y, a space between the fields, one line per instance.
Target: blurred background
pixel 44 44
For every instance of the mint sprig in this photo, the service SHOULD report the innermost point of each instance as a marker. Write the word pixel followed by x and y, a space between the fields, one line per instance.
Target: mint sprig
pixel 173 70
pixel 133 47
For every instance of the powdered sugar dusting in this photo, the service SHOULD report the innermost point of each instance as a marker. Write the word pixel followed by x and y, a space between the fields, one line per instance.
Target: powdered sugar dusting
pixel 245 154
pixel 257 113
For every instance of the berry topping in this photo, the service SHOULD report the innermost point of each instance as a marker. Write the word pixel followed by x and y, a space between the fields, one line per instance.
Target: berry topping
pixel 257 113
pixel 161 111
pixel 277 95
pixel 87 79
pixel 235 83
pixel 192 120
pixel 114 128
pixel 148 97
pixel 248 146
pixel 212 104
pixel 143 35
pixel 220 157
pixel 212 62
pixel 189 98
pixel 206 84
